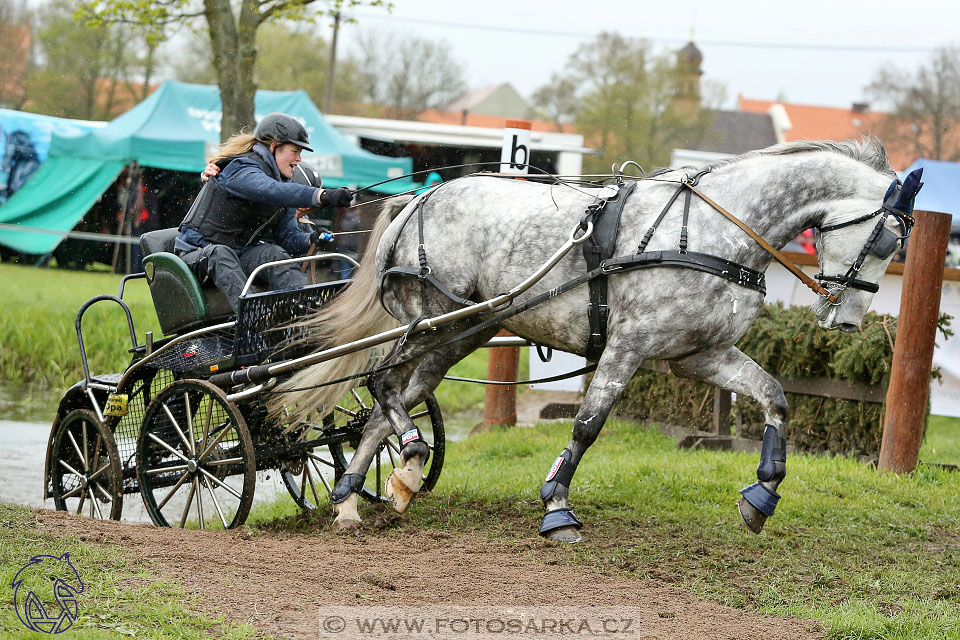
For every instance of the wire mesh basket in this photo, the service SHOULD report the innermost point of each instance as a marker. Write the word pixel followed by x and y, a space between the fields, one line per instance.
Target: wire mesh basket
pixel 269 324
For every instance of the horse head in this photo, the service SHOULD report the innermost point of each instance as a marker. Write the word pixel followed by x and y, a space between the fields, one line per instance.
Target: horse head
pixel 855 247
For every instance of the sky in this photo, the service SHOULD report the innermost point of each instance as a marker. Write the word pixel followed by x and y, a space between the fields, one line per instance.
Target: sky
pixel 813 52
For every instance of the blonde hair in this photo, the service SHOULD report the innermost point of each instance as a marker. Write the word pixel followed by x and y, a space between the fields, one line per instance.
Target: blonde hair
pixel 238 143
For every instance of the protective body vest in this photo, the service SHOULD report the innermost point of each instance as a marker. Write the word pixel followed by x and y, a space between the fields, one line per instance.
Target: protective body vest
pixel 225 219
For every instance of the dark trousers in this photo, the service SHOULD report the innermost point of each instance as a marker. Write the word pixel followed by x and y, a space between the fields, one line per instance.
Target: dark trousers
pixel 229 268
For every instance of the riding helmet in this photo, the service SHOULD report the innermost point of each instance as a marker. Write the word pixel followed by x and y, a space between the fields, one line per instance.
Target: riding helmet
pixel 306 174
pixel 279 127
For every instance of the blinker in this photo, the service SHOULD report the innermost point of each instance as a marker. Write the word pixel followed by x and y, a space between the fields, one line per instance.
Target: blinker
pixel 884 245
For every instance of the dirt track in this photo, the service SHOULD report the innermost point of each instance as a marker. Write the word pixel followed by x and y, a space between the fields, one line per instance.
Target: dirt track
pixel 279 581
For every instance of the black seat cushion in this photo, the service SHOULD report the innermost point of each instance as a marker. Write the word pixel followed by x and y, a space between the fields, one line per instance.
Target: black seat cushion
pixel 157 241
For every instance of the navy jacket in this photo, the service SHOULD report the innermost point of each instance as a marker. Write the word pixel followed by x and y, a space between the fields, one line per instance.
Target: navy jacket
pixel 244 178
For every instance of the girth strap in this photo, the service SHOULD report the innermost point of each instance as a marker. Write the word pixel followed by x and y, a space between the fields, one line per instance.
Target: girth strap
pixel 743 276
pixel 599 247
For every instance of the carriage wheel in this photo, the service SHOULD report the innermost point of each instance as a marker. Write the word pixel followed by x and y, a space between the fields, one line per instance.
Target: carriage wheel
pixel 309 478
pixel 354 412
pixel 86 467
pixel 195 458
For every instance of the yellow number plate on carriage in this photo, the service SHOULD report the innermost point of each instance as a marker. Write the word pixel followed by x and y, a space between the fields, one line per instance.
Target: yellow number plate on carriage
pixel 116 405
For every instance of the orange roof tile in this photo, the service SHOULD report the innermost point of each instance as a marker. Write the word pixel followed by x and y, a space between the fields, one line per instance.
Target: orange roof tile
pixel 493 122
pixel 836 123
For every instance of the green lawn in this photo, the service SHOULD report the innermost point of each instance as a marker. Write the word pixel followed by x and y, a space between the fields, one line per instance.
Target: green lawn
pixel 130 602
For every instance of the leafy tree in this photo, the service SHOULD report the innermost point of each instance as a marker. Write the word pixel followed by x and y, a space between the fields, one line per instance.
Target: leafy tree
pixel 407 74
pixel 232 35
pixel 624 101
pixel 15 26
pixel 557 100
pixel 82 70
pixel 924 105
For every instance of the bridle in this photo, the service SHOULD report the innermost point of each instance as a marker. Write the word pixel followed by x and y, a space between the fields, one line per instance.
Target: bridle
pixel 882 242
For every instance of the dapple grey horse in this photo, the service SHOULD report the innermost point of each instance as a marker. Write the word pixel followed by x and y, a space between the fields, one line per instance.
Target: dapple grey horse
pixel 482 235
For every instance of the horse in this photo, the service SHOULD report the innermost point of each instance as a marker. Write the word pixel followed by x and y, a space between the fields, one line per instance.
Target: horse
pixel 477 236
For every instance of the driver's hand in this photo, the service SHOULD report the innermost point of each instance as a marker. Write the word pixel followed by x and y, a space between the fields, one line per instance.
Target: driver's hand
pixel 209 171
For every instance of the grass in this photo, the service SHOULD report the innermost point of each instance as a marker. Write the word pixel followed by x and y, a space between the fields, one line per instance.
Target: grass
pixel 941 442
pixel 120 598
pixel 869 555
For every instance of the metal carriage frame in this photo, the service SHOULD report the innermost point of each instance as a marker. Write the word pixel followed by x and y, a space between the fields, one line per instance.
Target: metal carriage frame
pixel 124 433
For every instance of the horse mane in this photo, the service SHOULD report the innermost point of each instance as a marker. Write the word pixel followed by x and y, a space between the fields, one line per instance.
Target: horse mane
pixel 869 150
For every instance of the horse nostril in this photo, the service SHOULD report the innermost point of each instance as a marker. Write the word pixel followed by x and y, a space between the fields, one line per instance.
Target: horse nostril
pixel 848 327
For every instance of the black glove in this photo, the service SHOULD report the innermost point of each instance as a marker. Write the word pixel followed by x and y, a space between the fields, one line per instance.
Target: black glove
pixel 339 197
pixel 320 235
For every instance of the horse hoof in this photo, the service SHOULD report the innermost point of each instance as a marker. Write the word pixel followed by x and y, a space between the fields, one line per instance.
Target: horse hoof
pixel 570 535
pixel 400 488
pixel 753 519
pixel 347 526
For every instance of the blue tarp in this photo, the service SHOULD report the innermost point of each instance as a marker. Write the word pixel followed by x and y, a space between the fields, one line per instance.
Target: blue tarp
pixel 941 188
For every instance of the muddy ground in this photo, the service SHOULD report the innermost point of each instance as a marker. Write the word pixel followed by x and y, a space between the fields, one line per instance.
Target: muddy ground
pixel 279 581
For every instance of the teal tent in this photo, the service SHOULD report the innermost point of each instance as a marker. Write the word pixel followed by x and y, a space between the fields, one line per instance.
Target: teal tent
pixel 175 128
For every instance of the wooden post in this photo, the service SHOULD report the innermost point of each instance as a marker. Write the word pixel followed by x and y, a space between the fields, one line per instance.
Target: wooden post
pixel 721 411
pixel 909 388
pixel 500 405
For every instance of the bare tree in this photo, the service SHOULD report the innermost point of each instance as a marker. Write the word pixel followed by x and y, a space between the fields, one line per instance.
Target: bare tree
pixel 924 106
pixel 557 100
pixel 407 74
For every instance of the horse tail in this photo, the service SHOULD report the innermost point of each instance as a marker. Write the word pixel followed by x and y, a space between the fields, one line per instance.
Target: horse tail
pixel 353 314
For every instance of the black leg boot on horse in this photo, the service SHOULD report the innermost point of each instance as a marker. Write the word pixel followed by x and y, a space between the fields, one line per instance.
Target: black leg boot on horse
pixel 614 370
pixel 731 369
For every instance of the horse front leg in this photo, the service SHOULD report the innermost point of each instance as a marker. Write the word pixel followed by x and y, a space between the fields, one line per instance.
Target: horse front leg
pixel 731 369
pixel 346 493
pixel 614 371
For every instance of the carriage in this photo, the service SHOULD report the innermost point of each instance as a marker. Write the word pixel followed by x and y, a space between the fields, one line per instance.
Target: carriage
pixel 191 448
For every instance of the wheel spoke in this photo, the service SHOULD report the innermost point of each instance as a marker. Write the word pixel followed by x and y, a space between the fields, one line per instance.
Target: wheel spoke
pixel 313 486
pixel 314 456
pixel 420 414
pixel 320 475
pixel 225 486
pixel 83 495
pixel 98 472
pixel 76 448
pixel 69 468
pixel 159 470
pixel 216 503
pixel 345 410
pixel 217 463
pixel 303 483
pixel 196 489
pixel 216 441
pixel 95 503
pixel 176 487
pixel 103 492
pixel 356 396
pixel 72 492
pixel 190 442
pixel 86 449
pixel 389 449
pixel 167 447
pixel 206 423
pixel 176 426
pixel 186 509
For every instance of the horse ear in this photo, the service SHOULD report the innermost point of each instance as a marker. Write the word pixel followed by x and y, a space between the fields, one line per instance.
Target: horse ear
pixel 909 190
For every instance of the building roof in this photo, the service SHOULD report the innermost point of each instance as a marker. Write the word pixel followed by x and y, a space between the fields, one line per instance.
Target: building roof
pixel 808 122
pixel 437 116
pixel 690 53
pixel 733 133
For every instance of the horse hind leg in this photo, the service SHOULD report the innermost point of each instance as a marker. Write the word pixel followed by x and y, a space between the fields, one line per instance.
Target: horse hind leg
pixel 614 370
pixel 731 369
pixel 395 396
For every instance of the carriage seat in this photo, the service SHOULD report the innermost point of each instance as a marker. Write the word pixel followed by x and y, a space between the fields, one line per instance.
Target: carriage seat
pixel 181 302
